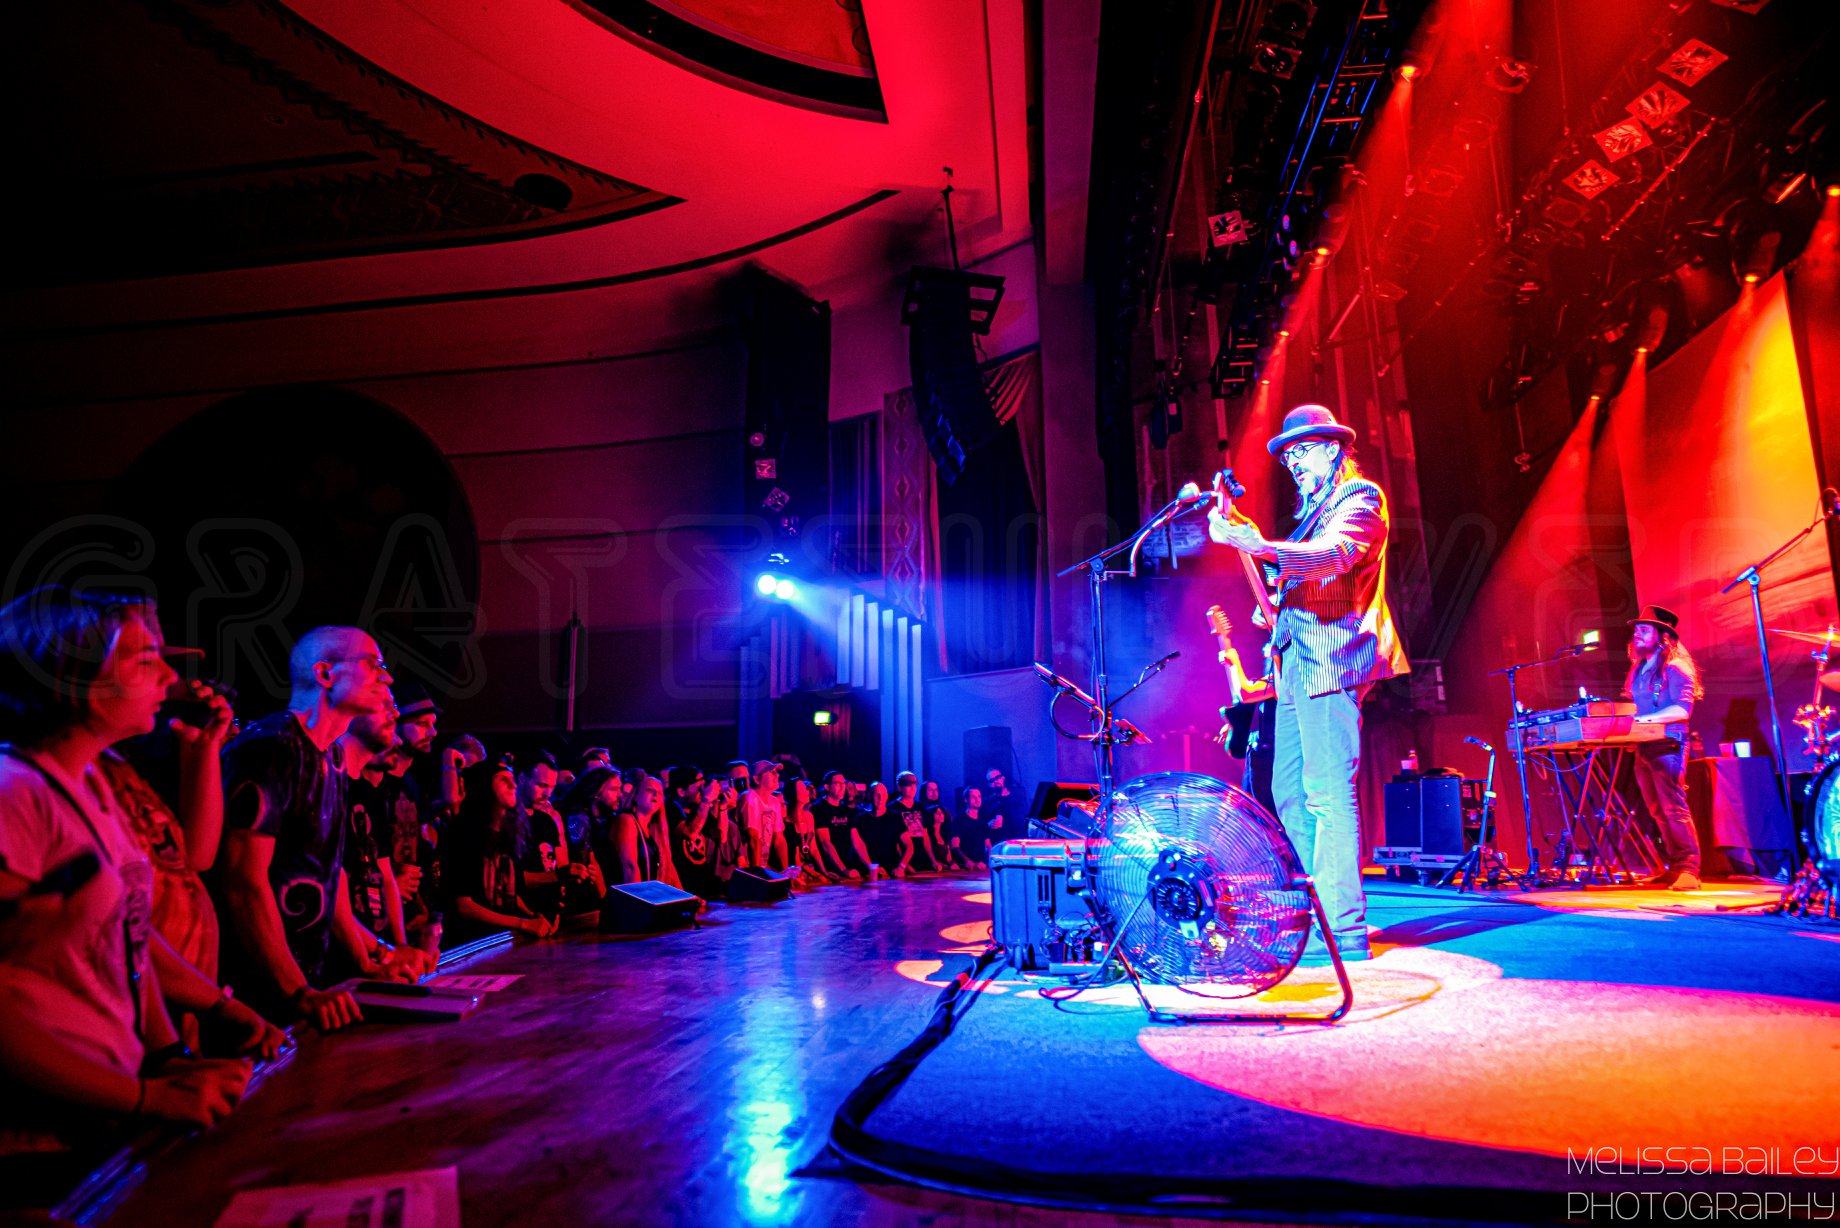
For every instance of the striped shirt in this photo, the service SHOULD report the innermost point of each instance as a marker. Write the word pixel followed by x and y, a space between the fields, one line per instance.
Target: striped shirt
pixel 1334 624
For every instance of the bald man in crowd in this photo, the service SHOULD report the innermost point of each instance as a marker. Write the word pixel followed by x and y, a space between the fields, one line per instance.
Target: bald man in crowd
pixel 284 886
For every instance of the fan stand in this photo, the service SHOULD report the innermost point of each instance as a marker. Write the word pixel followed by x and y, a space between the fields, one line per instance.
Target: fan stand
pixel 1158 1015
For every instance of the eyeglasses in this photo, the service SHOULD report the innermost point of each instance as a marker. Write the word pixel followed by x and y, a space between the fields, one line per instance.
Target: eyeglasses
pixel 377 662
pixel 1298 451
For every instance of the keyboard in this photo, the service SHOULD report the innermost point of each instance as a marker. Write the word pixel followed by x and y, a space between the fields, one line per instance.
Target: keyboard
pixel 1633 736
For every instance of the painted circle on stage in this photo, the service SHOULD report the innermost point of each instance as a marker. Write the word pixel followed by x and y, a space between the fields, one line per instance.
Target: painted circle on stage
pixel 1484 1060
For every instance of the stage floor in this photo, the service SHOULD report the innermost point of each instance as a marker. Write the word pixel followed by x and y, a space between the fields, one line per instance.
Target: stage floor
pixel 690 1078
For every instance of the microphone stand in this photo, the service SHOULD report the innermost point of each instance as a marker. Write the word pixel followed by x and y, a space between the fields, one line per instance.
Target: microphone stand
pixel 1753 576
pixel 1097 573
pixel 1532 878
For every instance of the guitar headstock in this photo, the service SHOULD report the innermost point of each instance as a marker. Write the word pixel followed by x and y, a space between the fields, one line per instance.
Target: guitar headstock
pixel 1226 484
pixel 1218 622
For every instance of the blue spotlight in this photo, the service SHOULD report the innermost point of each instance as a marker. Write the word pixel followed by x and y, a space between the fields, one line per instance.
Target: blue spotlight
pixel 767 583
pixel 785 590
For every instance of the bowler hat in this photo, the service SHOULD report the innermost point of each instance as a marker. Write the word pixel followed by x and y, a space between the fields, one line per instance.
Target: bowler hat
pixel 1309 422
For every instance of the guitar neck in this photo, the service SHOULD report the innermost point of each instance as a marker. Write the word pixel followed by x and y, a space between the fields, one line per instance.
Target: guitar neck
pixel 1256 579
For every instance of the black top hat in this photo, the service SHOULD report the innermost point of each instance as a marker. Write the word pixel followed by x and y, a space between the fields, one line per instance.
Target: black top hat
pixel 1659 617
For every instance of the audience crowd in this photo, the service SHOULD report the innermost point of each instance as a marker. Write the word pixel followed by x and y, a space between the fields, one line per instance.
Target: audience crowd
pixel 177 887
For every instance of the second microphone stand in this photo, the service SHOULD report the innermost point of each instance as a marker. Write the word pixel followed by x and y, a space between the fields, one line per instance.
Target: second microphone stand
pixel 1108 735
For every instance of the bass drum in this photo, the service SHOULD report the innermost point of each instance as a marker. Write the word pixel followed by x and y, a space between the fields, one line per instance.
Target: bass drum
pixel 1822 819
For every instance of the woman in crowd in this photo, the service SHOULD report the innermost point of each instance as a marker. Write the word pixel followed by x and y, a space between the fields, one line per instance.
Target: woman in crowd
pixel 936 816
pixel 802 835
pixel 482 849
pixel 637 845
pixel 85 1037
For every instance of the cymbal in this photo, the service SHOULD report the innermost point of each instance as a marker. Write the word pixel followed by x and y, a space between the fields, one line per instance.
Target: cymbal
pixel 1827 638
pixel 1831 679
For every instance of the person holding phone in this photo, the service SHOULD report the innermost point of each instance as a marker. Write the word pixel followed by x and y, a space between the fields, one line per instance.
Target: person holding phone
pixel 84 1032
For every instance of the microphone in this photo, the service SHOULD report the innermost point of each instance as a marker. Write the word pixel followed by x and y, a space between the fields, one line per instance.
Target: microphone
pixel 1166 660
pixel 1481 743
pixel 1191 492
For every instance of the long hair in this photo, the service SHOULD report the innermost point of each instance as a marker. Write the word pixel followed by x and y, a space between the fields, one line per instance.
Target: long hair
pixel 54 643
pixel 1346 467
pixel 1671 652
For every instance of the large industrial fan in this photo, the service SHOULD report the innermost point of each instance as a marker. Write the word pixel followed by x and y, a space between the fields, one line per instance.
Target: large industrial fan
pixel 1194 885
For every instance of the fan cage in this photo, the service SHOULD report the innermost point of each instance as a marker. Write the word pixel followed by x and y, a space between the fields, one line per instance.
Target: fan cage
pixel 1199 884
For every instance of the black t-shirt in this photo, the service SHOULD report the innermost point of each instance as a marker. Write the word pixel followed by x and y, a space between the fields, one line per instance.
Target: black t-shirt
pixel 839 820
pixel 970 832
pixel 481 866
pixel 1000 827
pixel 880 832
pixel 693 848
pixel 398 817
pixel 908 819
pixel 367 818
pixel 546 841
pixel 1003 817
pixel 303 791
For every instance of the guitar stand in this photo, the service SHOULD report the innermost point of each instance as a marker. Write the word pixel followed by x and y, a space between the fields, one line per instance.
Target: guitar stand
pixel 1159 1015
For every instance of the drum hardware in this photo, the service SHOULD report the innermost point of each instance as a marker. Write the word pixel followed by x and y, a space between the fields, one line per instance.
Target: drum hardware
pixel 1753 576
pixel 1814 718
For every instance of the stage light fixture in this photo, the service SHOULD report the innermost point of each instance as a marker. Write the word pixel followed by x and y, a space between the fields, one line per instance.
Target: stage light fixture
pixel 766 583
pixel 823 717
pixel 1510 75
pixel 785 590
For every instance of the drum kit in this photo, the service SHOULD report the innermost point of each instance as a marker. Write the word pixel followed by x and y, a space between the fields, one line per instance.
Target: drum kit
pixel 1816 888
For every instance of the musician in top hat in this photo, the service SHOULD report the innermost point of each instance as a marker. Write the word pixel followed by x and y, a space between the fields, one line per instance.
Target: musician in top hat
pixel 1333 640
pixel 1664 683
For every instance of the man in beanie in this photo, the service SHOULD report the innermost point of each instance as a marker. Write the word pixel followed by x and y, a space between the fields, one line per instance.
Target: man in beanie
pixel 1333 640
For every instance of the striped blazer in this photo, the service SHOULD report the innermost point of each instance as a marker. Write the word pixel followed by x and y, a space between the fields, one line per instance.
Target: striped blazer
pixel 1334 625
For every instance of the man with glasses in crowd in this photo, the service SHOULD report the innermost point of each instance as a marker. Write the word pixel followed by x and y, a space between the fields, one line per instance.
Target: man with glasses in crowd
pixel 1333 640
pixel 1002 813
pixel 284 881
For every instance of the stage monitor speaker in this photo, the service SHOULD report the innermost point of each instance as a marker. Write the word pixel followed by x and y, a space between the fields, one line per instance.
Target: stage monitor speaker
pixel 750 886
pixel 1426 814
pixel 646 908
pixel 986 747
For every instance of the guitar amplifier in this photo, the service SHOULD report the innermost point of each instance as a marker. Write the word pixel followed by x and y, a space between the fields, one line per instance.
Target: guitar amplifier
pixel 1424 822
